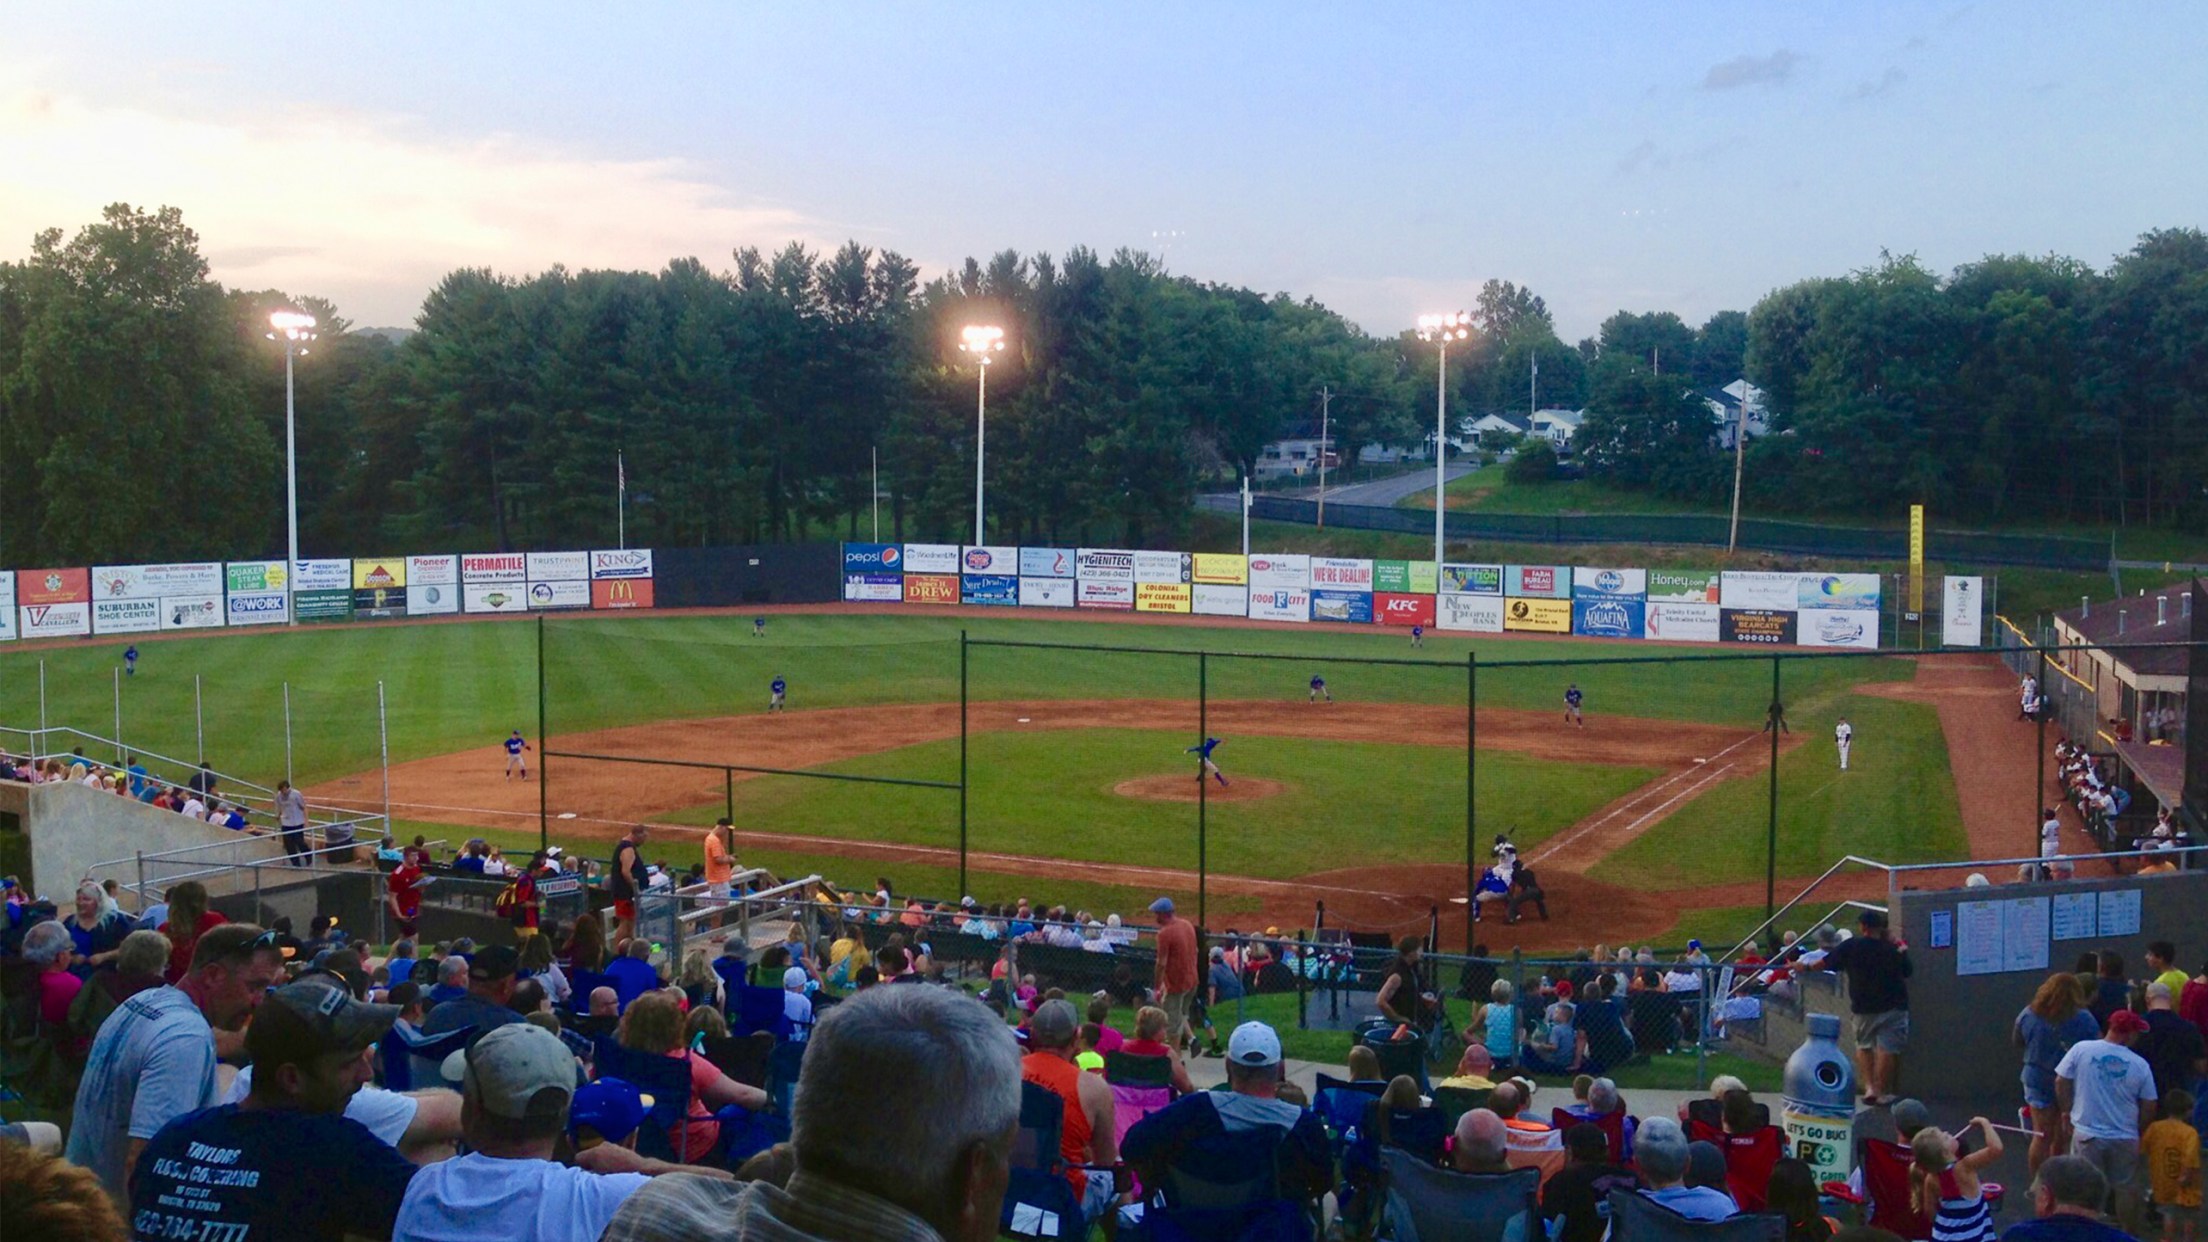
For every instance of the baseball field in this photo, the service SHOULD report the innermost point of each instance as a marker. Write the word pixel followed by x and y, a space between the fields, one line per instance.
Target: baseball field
pixel 1645 822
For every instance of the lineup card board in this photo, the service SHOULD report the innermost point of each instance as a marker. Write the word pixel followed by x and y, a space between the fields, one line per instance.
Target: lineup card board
pixel 1999 937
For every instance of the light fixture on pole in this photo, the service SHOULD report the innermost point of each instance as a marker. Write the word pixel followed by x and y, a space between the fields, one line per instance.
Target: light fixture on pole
pixel 1442 329
pixel 983 342
pixel 294 329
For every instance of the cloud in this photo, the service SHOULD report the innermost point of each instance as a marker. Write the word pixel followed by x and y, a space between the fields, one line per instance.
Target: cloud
pixel 1884 84
pixel 358 209
pixel 1638 158
pixel 1772 70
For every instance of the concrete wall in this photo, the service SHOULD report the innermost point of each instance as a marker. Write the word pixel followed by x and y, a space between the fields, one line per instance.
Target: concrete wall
pixel 1959 1045
pixel 70 828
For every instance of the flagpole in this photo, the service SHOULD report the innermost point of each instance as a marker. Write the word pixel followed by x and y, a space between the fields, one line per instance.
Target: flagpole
pixel 621 505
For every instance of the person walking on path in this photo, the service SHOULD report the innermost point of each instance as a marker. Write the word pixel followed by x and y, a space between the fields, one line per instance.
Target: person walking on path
pixel 291 821
pixel 1176 971
pixel 2108 1090
pixel 1878 995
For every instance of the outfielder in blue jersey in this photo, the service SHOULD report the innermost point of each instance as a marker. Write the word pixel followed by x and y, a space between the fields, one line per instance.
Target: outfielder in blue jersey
pixel 515 746
pixel 1202 750
pixel 776 689
pixel 130 660
pixel 1318 687
pixel 1571 706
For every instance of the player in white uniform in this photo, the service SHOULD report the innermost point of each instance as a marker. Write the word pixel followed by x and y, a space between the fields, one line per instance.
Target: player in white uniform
pixel 1842 734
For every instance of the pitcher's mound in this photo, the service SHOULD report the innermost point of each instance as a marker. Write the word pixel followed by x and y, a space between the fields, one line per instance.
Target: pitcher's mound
pixel 1183 789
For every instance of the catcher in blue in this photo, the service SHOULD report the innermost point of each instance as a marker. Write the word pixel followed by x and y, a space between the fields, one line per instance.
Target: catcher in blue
pixel 1571 706
pixel 515 746
pixel 776 689
pixel 1202 750
pixel 1318 687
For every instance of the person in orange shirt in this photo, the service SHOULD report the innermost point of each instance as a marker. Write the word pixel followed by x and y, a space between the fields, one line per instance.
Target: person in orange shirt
pixel 1176 971
pixel 1533 1144
pixel 1088 1135
pixel 2171 1149
pixel 720 856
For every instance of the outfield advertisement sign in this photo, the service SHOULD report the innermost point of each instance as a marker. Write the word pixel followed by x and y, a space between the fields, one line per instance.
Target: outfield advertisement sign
pixel 322 590
pixel 1610 583
pixel 1760 592
pixel 7 605
pixel 1348 607
pixel 1047 592
pixel 1207 599
pixel 1335 574
pixel 1271 571
pixel 432 585
pixel 992 590
pixel 871 558
pixel 1471 580
pixel 191 612
pixel 1167 568
pixel 930 588
pixel 553 596
pixel 1838 627
pixel 258 607
pixel 1404 577
pixel 558 566
pixel 154 581
pixel 1538 582
pixel 1608 616
pixel 1540 616
pixel 1681 622
pixel 494 569
pixel 1399 608
pixel 626 592
pixel 1962 613
pixel 1106 565
pixel 1161 597
pixel 1046 563
pixel 632 563
pixel 494 597
pixel 1684 586
pixel 1110 594
pixel 1480 614
pixel 53 620
pixel 1755 625
pixel 1218 569
pixel 379 587
pixel 1278 604
pixel 875 588
pixel 126 616
pixel 992 562
pixel 1852 591
pixel 931 558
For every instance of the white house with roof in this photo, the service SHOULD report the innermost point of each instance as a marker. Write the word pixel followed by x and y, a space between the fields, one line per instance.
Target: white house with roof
pixel 1557 426
pixel 1726 407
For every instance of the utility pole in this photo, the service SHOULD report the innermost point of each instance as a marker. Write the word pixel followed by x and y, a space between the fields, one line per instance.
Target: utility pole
pixel 1326 398
pixel 1740 453
pixel 1533 389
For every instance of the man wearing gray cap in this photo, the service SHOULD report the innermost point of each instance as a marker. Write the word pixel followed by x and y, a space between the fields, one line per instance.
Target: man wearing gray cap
pixel 1087 1135
pixel 516 1084
pixel 285 1163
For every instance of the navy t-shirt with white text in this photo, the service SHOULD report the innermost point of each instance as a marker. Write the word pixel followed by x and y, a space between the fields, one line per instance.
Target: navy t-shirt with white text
pixel 230 1175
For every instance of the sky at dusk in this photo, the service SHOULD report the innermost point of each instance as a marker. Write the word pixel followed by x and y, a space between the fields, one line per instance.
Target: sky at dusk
pixel 1385 159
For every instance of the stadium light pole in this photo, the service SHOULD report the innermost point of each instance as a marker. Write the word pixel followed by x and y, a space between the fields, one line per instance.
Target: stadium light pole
pixel 983 342
pixel 1441 329
pixel 294 329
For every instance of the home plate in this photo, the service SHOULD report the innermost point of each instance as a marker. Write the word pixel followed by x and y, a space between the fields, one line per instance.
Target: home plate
pixel 567 815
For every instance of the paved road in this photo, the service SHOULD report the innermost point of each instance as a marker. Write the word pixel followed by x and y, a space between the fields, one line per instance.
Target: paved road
pixel 1381 492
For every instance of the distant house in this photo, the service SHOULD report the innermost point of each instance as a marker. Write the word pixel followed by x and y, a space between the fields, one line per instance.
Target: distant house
pixel 1508 425
pixel 1557 426
pixel 1725 411
pixel 1297 454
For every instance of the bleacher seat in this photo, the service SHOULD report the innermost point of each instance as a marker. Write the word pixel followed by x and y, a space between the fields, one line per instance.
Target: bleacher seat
pixel 1444 1205
pixel 1455 1102
pixel 1140 1086
pixel 758 1009
pixel 1748 1159
pixel 667 1080
pixel 1886 1190
pixel 1611 1124
pixel 1219 1188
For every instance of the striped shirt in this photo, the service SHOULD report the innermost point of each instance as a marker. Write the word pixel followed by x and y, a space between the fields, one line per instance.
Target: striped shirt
pixel 1961 1219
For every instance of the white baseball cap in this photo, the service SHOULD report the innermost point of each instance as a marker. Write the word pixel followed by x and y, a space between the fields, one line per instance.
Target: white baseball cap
pixel 1254 1044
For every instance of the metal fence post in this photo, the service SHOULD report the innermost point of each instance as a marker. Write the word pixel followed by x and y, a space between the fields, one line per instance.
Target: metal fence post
pixel 962 762
pixel 544 760
pixel 1471 791
pixel 287 732
pixel 199 717
pixel 1775 722
pixel 118 714
pixel 1203 838
pixel 2039 782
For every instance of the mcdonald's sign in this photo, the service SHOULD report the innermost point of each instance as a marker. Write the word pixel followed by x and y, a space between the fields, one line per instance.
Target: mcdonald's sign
pixel 621 593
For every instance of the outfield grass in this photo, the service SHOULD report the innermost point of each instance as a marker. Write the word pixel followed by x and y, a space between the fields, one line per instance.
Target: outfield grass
pixel 462 685
pixel 1049 794
pixel 1897 804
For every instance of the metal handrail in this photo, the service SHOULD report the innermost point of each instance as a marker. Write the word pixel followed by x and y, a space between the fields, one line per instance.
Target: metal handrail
pixel 262 794
pixel 1807 889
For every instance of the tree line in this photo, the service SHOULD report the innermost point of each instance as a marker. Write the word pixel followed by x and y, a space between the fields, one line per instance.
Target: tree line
pixel 142 408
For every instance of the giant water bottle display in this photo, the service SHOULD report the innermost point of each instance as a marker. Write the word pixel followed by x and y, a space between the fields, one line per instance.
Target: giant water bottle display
pixel 1819 1113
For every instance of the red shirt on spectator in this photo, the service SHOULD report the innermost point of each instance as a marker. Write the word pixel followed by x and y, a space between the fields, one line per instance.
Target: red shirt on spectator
pixel 406 889
pixel 2192 1003
pixel 180 952
pixel 1177 957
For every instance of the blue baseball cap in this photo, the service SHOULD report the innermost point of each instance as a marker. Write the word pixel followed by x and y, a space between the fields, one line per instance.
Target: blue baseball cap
pixel 611 1106
pixel 1163 905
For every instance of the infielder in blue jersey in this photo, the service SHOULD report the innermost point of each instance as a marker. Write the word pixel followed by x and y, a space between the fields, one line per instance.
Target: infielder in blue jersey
pixel 515 746
pixel 1571 706
pixel 1203 751
pixel 776 689
pixel 1418 636
pixel 1318 687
